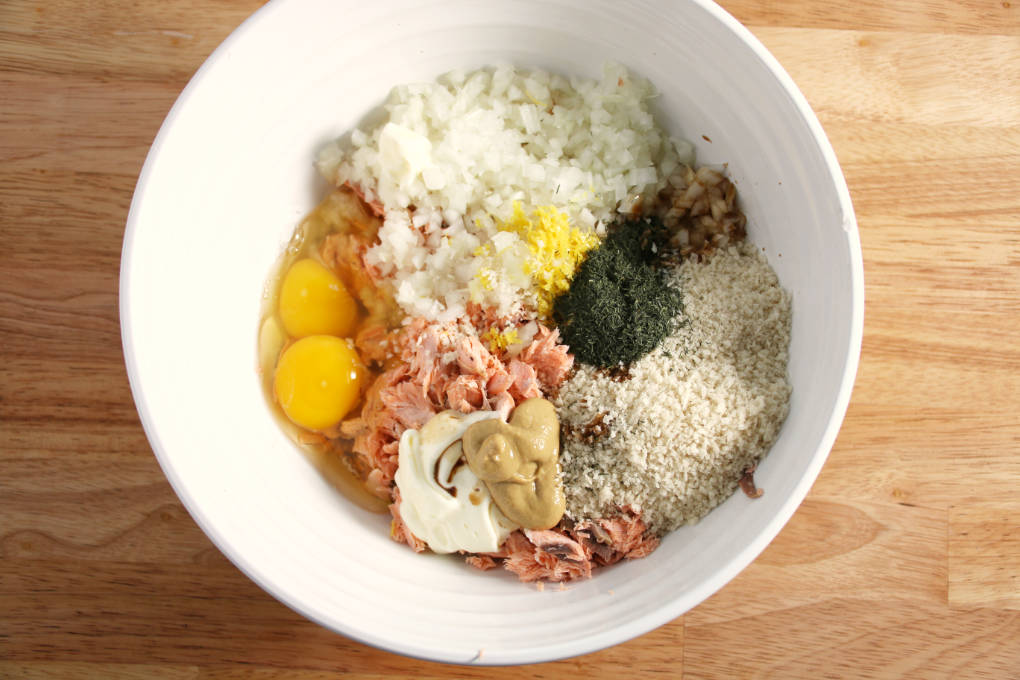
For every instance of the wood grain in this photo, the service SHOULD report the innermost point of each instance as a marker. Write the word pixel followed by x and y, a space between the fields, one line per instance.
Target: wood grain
pixel 984 555
pixel 903 562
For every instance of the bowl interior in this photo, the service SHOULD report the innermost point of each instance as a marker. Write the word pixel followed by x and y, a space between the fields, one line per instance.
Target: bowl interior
pixel 231 174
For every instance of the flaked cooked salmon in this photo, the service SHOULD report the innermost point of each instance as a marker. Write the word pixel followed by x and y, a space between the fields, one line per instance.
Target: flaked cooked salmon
pixel 446 366
pixel 571 550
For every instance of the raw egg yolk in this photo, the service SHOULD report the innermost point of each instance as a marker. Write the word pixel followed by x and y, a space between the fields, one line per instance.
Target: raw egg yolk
pixel 318 380
pixel 314 301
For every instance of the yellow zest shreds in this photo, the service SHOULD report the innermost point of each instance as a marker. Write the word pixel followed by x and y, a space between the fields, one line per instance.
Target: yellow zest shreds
pixel 499 340
pixel 557 250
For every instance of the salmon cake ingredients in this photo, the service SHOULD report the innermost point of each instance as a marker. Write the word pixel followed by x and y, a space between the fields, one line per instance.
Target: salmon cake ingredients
pixel 526 325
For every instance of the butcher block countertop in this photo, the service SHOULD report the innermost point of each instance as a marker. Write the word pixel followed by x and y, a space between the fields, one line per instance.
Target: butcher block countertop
pixel 903 561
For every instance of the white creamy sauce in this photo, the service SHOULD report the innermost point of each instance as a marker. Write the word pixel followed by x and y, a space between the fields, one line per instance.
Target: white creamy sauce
pixel 442 502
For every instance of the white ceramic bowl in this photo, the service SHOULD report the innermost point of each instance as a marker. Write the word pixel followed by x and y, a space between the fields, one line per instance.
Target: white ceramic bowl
pixel 230 175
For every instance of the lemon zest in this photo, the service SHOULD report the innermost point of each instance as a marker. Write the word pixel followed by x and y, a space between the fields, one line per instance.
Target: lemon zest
pixel 534 101
pixel 487 278
pixel 557 250
pixel 499 340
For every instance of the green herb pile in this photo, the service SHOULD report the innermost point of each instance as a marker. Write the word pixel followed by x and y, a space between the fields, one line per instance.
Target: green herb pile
pixel 619 306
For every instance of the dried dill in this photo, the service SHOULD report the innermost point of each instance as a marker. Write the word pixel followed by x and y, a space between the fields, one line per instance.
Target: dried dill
pixel 619 306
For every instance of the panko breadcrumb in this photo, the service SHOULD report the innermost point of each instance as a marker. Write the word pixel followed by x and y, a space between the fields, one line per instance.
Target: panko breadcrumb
pixel 676 436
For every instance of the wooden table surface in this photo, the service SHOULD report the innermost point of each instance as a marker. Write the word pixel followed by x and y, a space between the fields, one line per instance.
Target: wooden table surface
pixel 904 561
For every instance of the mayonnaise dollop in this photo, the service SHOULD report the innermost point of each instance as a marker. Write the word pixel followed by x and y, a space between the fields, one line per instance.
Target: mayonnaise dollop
pixel 442 502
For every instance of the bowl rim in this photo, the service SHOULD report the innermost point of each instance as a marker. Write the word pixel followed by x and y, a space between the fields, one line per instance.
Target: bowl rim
pixel 640 625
